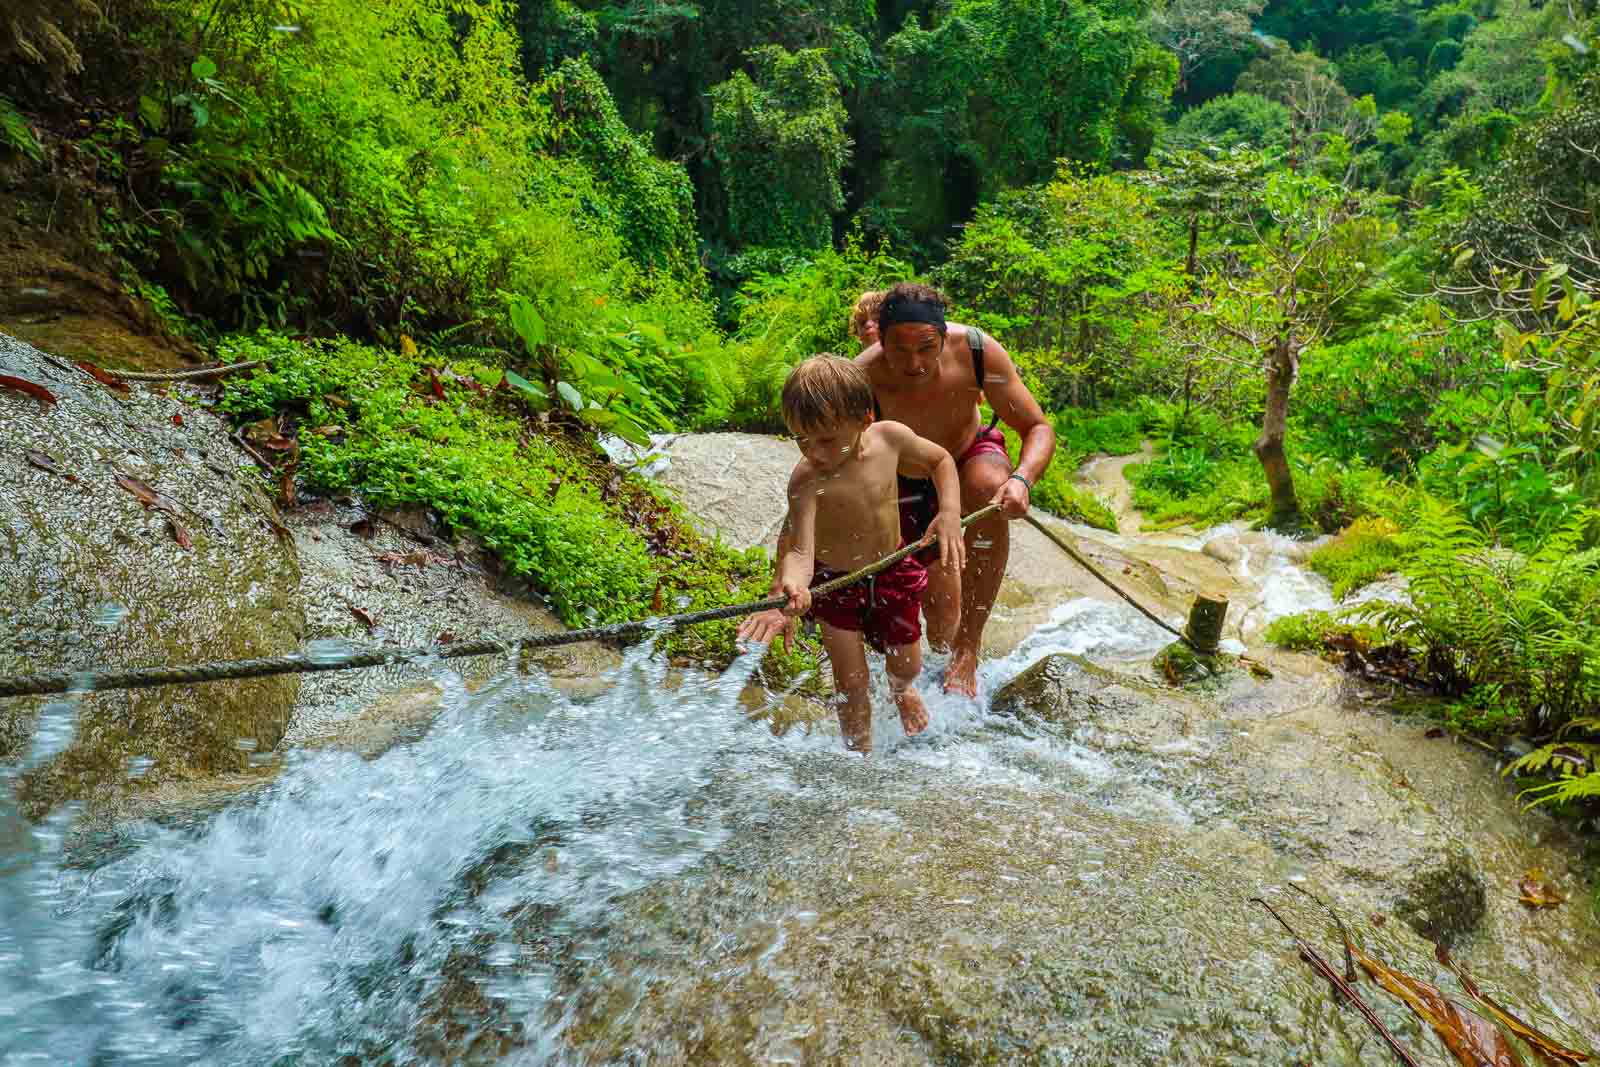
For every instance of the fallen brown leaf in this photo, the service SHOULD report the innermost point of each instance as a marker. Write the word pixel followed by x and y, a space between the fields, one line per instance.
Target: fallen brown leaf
pixel 419 557
pixel 178 531
pixel 177 418
pixel 44 462
pixel 1473 1040
pixel 1545 1047
pixel 33 389
pixel 364 529
pixel 146 495
pixel 1537 893
pixel 363 616
pixel 444 638
pixel 101 375
pixel 1434 732
pixel 658 602
pixel 435 384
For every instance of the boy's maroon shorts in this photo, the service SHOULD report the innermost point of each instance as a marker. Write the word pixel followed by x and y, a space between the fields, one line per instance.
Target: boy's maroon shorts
pixel 886 609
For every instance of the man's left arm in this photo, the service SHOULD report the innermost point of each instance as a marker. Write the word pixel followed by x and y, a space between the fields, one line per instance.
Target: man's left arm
pixel 1017 408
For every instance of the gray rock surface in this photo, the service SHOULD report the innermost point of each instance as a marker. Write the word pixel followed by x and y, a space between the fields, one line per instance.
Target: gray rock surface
pixel 91 578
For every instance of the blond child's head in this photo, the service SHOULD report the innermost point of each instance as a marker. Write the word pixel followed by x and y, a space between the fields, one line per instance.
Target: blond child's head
pixel 864 316
pixel 827 402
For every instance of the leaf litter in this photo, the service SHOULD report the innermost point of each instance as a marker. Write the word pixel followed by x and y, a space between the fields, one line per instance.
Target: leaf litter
pixel 1472 1039
pixel 150 498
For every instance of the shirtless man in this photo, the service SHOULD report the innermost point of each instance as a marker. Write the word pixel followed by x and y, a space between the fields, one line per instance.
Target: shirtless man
pixel 842 516
pixel 931 376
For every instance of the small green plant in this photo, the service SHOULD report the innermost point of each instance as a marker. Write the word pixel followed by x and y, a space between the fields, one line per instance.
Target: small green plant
pixel 16 134
pixel 1362 554
pixel 1311 631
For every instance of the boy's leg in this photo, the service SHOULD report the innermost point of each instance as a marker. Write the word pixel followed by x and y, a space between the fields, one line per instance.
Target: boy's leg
pixel 905 663
pixel 851 681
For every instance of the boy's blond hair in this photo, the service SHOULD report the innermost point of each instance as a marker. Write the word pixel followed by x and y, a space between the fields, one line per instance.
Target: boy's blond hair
pixel 824 390
pixel 865 311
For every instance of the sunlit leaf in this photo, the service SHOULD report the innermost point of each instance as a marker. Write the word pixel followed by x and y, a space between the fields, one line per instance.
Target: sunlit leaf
pixel 1544 1046
pixel 571 395
pixel 1473 1040
pixel 203 68
pixel 517 381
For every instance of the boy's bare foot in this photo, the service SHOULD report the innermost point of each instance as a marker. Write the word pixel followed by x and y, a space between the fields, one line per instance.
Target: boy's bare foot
pixel 961 676
pixel 856 726
pixel 913 712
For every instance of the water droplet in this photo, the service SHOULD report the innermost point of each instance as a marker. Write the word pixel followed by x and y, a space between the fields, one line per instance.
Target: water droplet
pixel 109 615
pixel 286 29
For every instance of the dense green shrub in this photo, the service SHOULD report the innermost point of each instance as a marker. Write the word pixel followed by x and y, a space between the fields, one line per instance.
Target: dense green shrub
pixel 1498 629
pixel 601 548
pixel 1311 631
pixel 1361 554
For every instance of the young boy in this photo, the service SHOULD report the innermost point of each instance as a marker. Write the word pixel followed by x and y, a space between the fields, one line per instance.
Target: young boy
pixel 864 317
pixel 844 514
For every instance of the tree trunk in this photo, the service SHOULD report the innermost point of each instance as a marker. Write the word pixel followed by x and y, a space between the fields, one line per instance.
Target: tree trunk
pixel 1285 510
pixel 1191 266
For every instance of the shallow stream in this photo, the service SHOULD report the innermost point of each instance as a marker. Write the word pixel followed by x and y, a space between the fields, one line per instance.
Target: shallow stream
pixel 652 876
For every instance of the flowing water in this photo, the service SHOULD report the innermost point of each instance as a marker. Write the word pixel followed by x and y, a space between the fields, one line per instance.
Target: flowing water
pixel 652 876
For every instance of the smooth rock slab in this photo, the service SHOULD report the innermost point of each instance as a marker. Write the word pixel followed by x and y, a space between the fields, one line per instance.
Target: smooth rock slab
pixel 67 547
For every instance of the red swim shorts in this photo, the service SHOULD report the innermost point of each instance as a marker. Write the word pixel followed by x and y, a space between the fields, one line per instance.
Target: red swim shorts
pixel 886 609
pixel 919 500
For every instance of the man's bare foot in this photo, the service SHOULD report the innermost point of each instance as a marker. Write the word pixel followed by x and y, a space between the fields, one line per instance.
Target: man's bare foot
pixel 961 676
pixel 913 712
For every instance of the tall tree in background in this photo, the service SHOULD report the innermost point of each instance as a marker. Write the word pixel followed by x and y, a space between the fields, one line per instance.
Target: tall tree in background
pixel 1201 32
pixel 1313 245
pixel 997 91
pixel 780 144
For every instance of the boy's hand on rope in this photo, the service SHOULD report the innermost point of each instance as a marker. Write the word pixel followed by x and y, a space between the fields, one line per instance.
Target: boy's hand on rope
pixel 763 626
pixel 946 528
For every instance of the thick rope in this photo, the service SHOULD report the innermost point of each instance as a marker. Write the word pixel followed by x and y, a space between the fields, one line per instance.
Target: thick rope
pixel 301 663
pixel 186 375
pixel 1109 584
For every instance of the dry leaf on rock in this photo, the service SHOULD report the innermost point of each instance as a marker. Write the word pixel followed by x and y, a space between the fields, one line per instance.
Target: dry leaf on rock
pixel 1545 1047
pixel 1535 892
pixel 33 389
pixel 1473 1040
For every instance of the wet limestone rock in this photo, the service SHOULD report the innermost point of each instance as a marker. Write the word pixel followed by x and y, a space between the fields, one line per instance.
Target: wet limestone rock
pixel 1446 901
pixel 73 540
pixel 1300 783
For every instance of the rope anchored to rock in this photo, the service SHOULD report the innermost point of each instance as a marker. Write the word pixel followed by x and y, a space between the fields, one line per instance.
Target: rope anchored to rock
pixel 306 663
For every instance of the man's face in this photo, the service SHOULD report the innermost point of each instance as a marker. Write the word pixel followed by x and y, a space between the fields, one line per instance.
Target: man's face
pixel 829 446
pixel 912 348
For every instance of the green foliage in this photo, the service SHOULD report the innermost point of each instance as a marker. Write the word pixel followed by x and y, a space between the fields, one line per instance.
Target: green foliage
pixel 786 317
pixel 1312 631
pixel 601 549
pixel 780 143
pixel 1235 119
pixel 1359 556
pixel 998 91
pixel 1507 632
pixel 647 201
pixel 15 133
pixel 1073 270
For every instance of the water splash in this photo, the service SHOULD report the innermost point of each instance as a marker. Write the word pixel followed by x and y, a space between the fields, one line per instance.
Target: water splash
pixel 319 919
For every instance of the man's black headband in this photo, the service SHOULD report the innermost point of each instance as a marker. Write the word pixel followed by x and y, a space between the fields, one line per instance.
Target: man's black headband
pixel 909 309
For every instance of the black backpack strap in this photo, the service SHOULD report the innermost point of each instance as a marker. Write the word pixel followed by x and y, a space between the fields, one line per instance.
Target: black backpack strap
pixel 975 341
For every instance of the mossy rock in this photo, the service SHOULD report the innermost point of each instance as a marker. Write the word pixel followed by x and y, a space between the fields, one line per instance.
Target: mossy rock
pixel 72 540
pixel 1178 664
